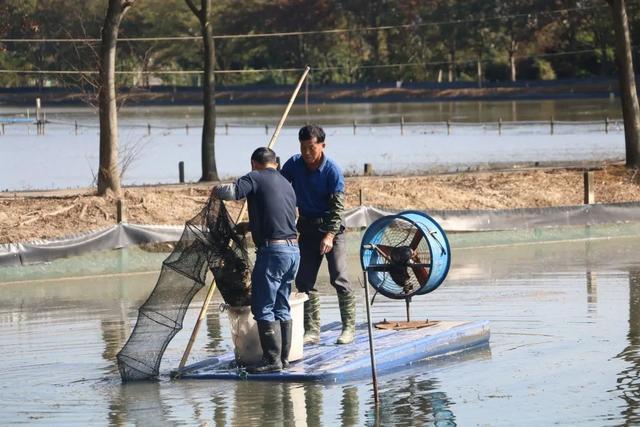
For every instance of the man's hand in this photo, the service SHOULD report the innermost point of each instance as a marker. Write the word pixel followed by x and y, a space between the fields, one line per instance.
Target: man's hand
pixel 241 228
pixel 326 244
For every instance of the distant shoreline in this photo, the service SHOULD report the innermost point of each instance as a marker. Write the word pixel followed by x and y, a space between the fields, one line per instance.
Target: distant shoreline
pixel 344 93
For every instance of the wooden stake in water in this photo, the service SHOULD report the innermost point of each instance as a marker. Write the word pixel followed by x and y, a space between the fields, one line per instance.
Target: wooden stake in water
pixel 38 109
pixel 589 193
pixel 120 211
pixel 38 117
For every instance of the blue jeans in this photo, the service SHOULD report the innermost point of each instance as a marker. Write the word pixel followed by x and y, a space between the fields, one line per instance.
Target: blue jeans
pixel 274 271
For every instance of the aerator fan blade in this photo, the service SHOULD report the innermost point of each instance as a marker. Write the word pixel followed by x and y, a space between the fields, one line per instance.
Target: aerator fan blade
pixel 384 250
pixel 416 240
pixel 419 270
pixel 421 273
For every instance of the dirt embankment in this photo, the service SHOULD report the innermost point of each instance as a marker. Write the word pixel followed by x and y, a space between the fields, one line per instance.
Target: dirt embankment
pixel 29 216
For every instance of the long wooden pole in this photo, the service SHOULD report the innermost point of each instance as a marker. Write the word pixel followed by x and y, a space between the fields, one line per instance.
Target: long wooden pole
pixel 196 328
pixel 212 289
pixel 276 133
pixel 372 352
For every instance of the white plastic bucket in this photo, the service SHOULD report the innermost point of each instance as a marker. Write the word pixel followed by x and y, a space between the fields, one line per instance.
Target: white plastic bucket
pixel 244 331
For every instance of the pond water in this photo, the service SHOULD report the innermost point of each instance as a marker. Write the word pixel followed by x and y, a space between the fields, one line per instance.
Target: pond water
pixel 154 139
pixel 565 347
pixel 595 109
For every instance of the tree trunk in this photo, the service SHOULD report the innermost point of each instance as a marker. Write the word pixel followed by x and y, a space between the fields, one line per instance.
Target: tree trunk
pixel 479 70
pixel 628 94
pixel 452 65
pixel 108 173
pixel 512 49
pixel 512 66
pixel 209 170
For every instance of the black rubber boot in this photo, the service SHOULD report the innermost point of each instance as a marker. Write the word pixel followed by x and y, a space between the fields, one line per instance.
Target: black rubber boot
pixel 312 319
pixel 271 342
pixel 285 333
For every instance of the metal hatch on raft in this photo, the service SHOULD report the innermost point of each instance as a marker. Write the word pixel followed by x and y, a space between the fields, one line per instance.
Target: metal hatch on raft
pixel 404 255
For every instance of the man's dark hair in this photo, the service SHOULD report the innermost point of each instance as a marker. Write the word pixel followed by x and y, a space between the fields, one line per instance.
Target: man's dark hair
pixel 311 131
pixel 264 155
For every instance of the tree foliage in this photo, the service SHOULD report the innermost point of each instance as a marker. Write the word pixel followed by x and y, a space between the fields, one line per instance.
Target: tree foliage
pixel 420 40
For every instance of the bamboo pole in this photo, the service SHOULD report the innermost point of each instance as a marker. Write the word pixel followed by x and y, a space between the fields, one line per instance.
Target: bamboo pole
pixel 194 334
pixel 212 289
pixel 276 133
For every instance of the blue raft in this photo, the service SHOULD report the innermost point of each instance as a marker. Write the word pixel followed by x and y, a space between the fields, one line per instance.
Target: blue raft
pixel 331 363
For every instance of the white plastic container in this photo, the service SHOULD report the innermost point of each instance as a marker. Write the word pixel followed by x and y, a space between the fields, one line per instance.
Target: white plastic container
pixel 244 331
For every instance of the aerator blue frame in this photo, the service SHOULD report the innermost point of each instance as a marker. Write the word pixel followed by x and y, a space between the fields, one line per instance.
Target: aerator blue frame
pixel 437 242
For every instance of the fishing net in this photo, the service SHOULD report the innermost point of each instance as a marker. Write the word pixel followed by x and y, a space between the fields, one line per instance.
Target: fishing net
pixel 208 243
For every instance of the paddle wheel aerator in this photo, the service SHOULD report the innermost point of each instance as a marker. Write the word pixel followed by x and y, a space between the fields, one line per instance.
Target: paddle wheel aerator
pixel 404 255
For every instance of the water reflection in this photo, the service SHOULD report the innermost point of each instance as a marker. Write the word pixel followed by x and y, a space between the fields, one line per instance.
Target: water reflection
pixel 592 291
pixel 270 404
pixel 220 410
pixel 276 402
pixel 114 335
pixel 592 284
pixel 214 329
pixel 350 403
pixel 313 404
pixel 416 397
pixel 412 401
pixel 115 332
pixel 629 378
pixel 139 404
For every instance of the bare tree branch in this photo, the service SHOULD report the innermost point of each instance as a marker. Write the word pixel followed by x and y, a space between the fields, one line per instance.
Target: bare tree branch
pixel 193 8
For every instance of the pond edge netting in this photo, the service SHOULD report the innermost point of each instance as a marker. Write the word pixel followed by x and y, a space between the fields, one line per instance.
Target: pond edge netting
pixel 123 235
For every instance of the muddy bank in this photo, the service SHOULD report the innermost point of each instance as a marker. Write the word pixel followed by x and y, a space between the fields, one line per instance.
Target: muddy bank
pixel 27 216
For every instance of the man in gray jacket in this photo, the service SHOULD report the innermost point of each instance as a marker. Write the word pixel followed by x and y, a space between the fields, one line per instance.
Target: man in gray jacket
pixel 319 186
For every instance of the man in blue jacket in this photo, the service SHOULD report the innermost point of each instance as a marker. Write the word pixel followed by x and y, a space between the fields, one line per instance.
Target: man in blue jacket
pixel 272 217
pixel 319 186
